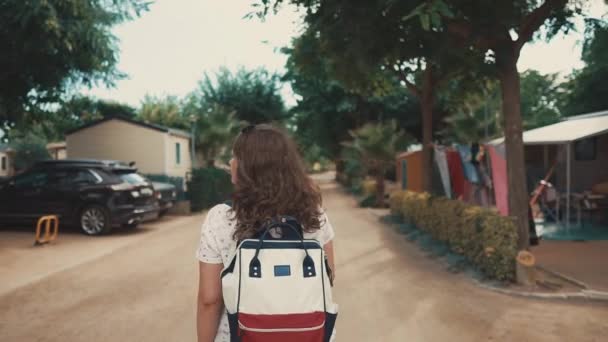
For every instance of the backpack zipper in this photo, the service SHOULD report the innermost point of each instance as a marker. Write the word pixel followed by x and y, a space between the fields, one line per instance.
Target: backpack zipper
pixel 243 327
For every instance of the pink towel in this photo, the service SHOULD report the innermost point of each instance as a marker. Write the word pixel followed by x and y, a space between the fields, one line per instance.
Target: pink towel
pixel 500 179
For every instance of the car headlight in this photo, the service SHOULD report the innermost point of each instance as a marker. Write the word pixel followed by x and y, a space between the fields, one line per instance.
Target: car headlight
pixel 121 187
pixel 135 194
pixel 174 194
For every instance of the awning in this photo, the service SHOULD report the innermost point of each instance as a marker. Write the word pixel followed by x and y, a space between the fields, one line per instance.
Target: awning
pixel 569 130
pixel 565 132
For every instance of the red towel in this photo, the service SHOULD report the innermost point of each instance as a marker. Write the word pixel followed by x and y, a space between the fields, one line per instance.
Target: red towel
pixel 456 173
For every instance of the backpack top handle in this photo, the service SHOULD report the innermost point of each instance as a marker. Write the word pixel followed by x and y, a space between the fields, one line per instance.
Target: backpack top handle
pixel 282 222
pixel 308 265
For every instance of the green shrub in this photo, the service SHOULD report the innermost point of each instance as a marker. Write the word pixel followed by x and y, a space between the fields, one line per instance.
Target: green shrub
pixel 208 187
pixel 367 201
pixel 369 187
pixel 356 186
pixel 482 236
pixel 499 235
pixel 29 149
pixel 178 182
pixel 315 155
pixel 351 169
pixel 396 201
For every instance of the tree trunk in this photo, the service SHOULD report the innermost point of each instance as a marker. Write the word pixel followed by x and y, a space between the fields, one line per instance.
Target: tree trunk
pixel 339 162
pixel 427 100
pixel 380 188
pixel 513 130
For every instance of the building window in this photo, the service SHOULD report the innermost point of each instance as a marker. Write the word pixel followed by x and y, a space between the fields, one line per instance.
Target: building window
pixel 585 149
pixel 3 163
pixel 178 153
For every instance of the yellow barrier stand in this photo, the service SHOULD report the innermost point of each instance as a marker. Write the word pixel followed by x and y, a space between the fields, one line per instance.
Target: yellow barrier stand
pixel 51 229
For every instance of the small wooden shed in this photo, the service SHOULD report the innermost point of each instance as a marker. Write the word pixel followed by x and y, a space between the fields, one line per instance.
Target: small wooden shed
pixel 409 170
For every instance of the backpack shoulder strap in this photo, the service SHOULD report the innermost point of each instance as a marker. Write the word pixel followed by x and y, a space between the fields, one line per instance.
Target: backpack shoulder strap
pixel 282 233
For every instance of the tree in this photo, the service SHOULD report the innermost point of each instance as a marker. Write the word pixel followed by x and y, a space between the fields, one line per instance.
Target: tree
pixel 377 145
pixel 106 108
pixel 587 89
pixel 476 113
pixel 370 42
pixel 539 99
pixel 327 110
pixel 491 32
pixel 53 122
pixel 29 149
pixel 50 46
pixel 163 111
pixel 499 30
pixel 253 95
pixel 215 127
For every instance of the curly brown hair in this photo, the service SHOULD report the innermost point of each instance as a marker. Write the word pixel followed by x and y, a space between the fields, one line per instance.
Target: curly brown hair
pixel 271 181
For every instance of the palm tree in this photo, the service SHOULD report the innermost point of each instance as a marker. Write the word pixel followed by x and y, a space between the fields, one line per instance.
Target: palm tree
pixel 165 111
pixel 477 112
pixel 215 128
pixel 377 144
pixel 471 123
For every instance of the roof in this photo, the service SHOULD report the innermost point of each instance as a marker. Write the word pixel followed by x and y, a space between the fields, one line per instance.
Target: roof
pixel 568 130
pixel 134 122
pixel 56 145
pixel 113 164
pixel 5 148
pixel 406 154
pixel 79 161
pixel 179 133
pixel 588 115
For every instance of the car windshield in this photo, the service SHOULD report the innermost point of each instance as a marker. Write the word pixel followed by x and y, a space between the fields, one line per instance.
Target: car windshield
pixel 133 178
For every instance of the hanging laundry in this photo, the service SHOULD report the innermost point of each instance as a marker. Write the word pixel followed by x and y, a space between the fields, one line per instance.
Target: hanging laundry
pixel 499 177
pixel 456 173
pixel 469 169
pixel 444 171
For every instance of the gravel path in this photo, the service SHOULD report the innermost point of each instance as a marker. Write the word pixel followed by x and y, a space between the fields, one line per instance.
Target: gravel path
pixel 141 286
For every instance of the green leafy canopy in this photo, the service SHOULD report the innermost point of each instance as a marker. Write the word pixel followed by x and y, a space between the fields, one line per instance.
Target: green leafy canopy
pixel 49 46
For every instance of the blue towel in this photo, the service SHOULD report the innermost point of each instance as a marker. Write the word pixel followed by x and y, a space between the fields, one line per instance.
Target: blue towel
pixel 470 172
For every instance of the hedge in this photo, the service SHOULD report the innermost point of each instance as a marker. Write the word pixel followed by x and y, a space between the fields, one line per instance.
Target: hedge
pixel 208 187
pixel 369 187
pixel 482 236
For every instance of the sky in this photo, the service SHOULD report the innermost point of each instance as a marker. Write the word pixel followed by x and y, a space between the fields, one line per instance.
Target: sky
pixel 167 50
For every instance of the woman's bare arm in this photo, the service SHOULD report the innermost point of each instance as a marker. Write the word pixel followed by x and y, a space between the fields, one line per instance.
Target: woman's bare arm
pixel 329 251
pixel 210 302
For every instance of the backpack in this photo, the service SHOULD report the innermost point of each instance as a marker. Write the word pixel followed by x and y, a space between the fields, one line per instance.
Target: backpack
pixel 277 287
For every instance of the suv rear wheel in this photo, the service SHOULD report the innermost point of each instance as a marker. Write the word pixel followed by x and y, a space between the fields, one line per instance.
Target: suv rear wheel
pixel 95 220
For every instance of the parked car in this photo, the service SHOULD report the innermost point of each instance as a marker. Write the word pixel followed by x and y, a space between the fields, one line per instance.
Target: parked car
pixel 91 194
pixel 166 195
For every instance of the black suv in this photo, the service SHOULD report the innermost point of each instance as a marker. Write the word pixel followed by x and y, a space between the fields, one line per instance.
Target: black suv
pixel 93 195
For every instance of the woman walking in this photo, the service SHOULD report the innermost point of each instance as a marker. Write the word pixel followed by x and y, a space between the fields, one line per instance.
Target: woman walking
pixel 270 181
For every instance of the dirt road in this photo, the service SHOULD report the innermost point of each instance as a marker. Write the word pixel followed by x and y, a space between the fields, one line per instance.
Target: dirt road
pixel 141 286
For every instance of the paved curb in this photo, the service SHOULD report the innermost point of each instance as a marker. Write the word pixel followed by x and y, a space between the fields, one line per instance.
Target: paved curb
pixel 564 277
pixel 590 295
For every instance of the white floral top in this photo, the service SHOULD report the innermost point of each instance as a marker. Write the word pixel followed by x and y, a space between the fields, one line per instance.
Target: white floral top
pixel 217 246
